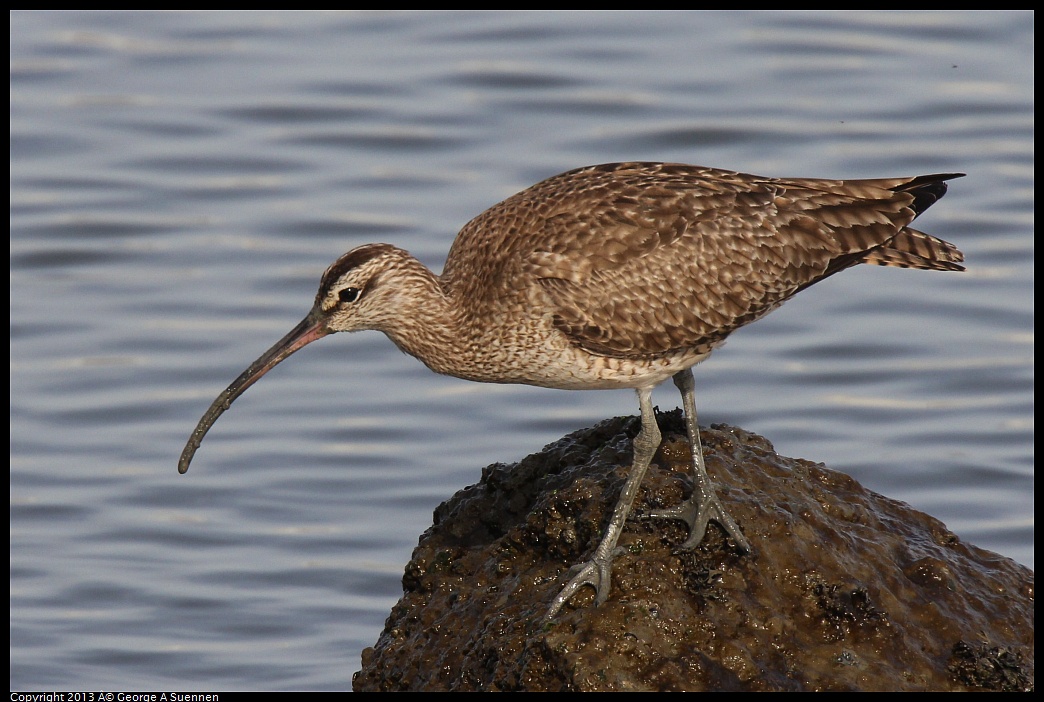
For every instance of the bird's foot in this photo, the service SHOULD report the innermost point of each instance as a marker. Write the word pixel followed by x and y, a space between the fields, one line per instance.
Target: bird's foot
pixel 699 511
pixel 595 572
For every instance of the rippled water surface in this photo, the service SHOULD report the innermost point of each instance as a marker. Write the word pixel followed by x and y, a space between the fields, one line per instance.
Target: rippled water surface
pixel 180 180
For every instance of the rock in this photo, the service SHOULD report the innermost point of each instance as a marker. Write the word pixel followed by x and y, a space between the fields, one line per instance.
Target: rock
pixel 845 589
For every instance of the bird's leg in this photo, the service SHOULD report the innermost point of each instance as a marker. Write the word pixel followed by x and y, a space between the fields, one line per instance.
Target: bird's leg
pixel 596 572
pixel 703 507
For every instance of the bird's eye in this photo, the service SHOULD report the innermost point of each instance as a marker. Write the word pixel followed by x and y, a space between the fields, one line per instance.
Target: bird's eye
pixel 349 294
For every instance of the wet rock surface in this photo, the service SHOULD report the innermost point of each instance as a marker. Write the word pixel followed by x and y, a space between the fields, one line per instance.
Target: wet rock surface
pixel 845 590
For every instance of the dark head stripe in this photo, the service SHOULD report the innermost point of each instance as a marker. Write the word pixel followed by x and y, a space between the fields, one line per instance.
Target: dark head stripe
pixel 353 259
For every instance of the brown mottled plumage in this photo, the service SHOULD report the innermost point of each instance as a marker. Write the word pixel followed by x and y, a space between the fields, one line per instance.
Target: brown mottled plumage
pixel 619 275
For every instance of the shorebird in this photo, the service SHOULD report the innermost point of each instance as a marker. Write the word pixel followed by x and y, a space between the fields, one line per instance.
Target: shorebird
pixel 616 276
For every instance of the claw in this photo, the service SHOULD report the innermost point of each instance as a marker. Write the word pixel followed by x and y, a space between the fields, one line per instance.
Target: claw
pixel 597 574
pixel 698 514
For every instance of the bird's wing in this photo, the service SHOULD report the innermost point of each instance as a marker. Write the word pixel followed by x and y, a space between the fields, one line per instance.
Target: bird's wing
pixel 648 259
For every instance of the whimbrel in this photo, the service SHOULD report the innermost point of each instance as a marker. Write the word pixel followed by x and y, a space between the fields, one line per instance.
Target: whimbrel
pixel 616 276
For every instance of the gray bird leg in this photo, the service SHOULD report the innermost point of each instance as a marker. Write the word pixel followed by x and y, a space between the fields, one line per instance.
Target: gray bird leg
pixel 703 506
pixel 596 572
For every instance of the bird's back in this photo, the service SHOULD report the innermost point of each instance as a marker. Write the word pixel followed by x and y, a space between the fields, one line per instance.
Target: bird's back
pixel 643 260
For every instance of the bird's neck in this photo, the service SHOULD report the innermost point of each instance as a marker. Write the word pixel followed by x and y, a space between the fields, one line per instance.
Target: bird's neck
pixel 426 323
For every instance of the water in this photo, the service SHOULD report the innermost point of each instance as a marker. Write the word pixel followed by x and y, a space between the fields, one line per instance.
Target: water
pixel 179 181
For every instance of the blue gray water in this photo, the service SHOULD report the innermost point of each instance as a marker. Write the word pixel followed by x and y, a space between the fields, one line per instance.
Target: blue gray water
pixel 179 181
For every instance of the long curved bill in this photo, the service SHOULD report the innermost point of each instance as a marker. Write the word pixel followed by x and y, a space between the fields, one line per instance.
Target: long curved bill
pixel 311 328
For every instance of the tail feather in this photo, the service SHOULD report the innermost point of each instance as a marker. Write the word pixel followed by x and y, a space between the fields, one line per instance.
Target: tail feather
pixel 913 249
pixel 926 189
